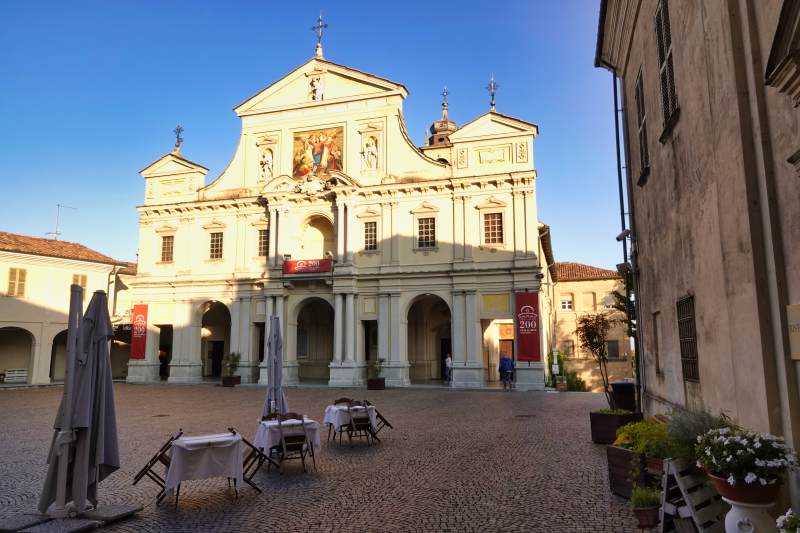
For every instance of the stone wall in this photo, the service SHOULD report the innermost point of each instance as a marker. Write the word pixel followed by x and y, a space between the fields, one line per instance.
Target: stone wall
pixel 587 370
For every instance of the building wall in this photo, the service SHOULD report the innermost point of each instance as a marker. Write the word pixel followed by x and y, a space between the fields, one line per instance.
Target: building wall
pixel 718 214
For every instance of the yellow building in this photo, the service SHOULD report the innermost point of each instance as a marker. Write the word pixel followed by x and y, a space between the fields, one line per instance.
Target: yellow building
pixel 366 246
pixel 34 304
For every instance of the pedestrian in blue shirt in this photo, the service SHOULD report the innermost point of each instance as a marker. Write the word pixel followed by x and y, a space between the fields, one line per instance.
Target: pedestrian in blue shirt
pixel 506 368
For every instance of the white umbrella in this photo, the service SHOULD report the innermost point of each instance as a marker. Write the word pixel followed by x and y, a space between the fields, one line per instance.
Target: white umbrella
pixel 276 399
pixel 85 448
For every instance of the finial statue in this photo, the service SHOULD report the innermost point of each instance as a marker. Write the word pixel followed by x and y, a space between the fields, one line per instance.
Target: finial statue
pixel 318 28
pixel 178 139
pixel 492 88
pixel 445 92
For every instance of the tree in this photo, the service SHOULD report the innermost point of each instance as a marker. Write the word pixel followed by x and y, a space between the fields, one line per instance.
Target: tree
pixel 592 334
pixel 625 305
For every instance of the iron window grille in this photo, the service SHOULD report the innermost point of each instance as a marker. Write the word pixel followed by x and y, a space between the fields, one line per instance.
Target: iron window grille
pixel 263 242
pixel 167 248
pixel 426 232
pixel 669 97
pixel 216 246
pixel 687 336
pixel 493 228
pixel 16 281
pixel 371 235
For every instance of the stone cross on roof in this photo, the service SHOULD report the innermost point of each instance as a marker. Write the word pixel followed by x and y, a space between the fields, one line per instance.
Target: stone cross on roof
pixel 178 139
pixel 318 28
pixel 492 88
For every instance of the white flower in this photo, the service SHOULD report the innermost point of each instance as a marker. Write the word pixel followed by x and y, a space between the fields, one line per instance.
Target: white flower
pixel 750 478
pixel 731 480
pixel 762 481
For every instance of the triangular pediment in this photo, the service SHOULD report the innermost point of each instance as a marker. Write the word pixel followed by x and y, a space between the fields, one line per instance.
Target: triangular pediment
pixel 493 125
pixel 338 83
pixel 170 165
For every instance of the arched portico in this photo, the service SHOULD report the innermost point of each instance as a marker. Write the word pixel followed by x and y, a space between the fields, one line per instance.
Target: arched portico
pixel 314 319
pixel 428 337
pixel 17 349
pixel 58 356
pixel 215 333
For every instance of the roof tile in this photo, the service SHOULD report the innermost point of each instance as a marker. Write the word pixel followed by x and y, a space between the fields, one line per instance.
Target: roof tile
pixel 24 244
pixel 569 271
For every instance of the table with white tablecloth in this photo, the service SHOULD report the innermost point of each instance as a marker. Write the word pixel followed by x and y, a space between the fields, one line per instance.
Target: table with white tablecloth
pixel 268 434
pixel 338 416
pixel 205 456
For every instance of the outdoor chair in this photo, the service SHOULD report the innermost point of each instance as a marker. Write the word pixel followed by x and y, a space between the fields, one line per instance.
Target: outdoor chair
pixel 342 429
pixel 382 421
pixel 161 457
pixel 253 461
pixel 360 423
pixel 271 416
pixel 294 443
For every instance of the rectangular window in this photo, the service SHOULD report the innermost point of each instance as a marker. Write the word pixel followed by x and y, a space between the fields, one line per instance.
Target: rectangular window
pixel 688 339
pixel 263 242
pixel 370 235
pixel 568 347
pixel 566 303
pixel 493 228
pixel 426 232
pixel 612 349
pixel 80 280
pixel 656 347
pixel 16 281
pixel 167 248
pixel 669 98
pixel 216 246
pixel 641 121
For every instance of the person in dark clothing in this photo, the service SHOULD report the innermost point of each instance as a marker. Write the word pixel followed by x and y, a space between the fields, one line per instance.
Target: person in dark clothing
pixel 506 368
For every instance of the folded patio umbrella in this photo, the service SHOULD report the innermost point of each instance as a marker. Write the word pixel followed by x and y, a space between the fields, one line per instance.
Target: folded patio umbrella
pixel 276 399
pixel 85 448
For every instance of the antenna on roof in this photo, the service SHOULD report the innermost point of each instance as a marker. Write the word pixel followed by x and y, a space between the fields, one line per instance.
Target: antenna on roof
pixel 57 233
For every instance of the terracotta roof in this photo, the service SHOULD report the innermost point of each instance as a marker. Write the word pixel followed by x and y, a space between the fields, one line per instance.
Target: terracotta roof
pixel 568 271
pixel 24 244
pixel 129 269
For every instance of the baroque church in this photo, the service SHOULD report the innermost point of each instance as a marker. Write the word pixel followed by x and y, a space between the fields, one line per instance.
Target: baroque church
pixel 371 251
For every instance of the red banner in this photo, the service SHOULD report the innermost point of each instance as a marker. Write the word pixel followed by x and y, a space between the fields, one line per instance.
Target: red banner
pixel 526 318
pixel 138 331
pixel 307 266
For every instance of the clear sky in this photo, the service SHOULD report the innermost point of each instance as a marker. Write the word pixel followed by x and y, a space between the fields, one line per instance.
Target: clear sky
pixel 91 91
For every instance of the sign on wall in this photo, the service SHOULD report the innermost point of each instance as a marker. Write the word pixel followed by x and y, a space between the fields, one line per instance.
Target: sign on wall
pixel 307 266
pixel 526 320
pixel 138 331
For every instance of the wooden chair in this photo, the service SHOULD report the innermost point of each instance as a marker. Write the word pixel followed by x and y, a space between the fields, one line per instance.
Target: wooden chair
pixel 253 461
pixel 271 416
pixel 360 423
pixel 342 429
pixel 294 443
pixel 382 421
pixel 161 457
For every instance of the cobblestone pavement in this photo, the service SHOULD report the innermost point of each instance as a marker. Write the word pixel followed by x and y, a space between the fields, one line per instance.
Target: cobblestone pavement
pixel 457 461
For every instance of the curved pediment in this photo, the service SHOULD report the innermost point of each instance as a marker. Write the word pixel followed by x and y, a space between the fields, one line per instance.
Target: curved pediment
pixel 280 184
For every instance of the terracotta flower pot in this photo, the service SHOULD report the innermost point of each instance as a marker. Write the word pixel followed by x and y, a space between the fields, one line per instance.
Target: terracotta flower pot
pixel 231 381
pixel 647 516
pixel 752 493
pixel 376 383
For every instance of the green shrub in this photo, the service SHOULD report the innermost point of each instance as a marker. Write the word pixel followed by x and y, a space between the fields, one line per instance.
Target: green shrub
pixel 686 425
pixel 648 437
pixel 645 497
pixel 575 383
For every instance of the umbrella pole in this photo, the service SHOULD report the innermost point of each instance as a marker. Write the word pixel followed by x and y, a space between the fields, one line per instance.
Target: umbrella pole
pixel 66 435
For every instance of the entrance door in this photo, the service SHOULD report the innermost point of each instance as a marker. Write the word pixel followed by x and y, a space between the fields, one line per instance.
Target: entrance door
pixel 444 349
pixel 507 348
pixel 217 347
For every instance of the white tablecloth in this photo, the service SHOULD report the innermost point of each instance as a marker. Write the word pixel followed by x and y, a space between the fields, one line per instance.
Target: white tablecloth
pixel 205 456
pixel 268 434
pixel 338 416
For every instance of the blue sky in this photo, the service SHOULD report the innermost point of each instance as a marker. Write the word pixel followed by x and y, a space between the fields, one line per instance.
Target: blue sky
pixel 91 92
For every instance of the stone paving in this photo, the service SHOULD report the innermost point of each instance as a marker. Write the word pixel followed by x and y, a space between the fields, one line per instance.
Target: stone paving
pixel 457 461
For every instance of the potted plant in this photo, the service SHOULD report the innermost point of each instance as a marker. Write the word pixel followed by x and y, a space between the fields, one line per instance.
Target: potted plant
pixel 592 333
pixel 685 426
pixel 230 364
pixel 376 382
pixel 788 522
pixel 637 455
pixel 646 503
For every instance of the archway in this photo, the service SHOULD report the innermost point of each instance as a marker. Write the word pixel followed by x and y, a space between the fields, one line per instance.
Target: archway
pixel 315 340
pixel 16 351
pixel 215 337
pixel 58 357
pixel 429 338
pixel 316 238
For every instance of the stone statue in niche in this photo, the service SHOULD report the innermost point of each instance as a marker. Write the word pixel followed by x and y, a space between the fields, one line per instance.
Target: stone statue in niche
pixel 266 163
pixel 370 153
pixel 315 88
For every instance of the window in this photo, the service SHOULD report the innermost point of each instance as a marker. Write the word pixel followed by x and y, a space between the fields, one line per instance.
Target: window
pixel 568 347
pixel 641 122
pixel 588 301
pixel 167 248
pixel 371 235
pixel 263 242
pixel 656 352
pixel 612 349
pixel 669 98
pixel 688 339
pixel 80 280
pixel 216 246
pixel 493 228
pixel 16 281
pixel 426 232
pixel 566 303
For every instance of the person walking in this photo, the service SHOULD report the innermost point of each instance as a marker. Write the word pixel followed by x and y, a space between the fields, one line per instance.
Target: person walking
pixel 506 368
pixel 448 369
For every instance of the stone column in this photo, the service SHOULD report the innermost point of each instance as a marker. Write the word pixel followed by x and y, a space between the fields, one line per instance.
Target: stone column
pixel 395 234
pixel 139 370
pixel 458 229
pixel 349 329
pixel 340 229
pixel 470 233
pixel 457 323
pixel 249 365
pixel 273 234
pixel 386 234
pixel 187 363
pixel 383 326
pixel 532 228
pixel 395 370
pixel 518 222
pixel 263 377
pixel 351 222
pixel 468 370
pixel 337 329
pixel 235 339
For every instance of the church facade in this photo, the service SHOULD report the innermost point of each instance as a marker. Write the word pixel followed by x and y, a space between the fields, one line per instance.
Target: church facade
pixel 366 247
